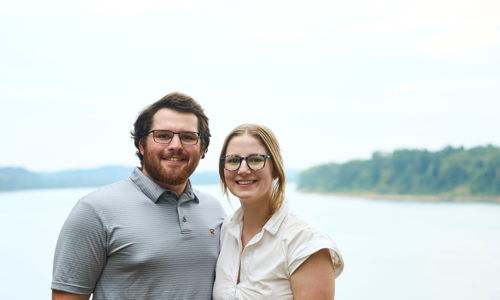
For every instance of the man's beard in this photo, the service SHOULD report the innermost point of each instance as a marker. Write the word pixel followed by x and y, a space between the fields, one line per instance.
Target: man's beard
pixel 163 176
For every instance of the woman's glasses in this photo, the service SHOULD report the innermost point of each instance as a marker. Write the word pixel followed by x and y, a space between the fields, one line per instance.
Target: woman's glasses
pixel 255 162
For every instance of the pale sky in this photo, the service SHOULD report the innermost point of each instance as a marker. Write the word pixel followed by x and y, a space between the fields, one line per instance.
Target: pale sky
pixel 335 80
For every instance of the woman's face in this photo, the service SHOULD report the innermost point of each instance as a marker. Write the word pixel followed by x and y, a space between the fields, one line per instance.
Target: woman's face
pixel 246 184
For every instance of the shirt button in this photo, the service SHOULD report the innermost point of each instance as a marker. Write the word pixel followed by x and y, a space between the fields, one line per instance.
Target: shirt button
pixel 184 219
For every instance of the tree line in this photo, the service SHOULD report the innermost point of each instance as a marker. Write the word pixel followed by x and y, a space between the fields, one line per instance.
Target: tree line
pixel 452 171
pixel 16 178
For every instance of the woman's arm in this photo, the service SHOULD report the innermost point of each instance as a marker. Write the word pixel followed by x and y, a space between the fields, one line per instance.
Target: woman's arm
pixel 314 279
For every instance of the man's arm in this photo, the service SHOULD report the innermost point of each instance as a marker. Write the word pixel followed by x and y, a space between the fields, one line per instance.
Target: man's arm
pixel 80 253
pixel 59 295
pixel 314 279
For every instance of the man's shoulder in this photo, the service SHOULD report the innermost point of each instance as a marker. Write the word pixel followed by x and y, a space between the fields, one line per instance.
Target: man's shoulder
pixel 208 200
pixel 204 197
pixel 112 192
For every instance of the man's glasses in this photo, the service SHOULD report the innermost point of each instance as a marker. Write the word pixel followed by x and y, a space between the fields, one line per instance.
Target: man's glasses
pixel 254 162
pixel 166 136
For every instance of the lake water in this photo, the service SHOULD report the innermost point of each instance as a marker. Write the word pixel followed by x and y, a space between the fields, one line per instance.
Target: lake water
pixel 392 250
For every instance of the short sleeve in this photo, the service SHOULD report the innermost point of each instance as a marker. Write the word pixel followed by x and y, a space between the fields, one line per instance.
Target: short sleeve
pixel 305 240
pixel 80 253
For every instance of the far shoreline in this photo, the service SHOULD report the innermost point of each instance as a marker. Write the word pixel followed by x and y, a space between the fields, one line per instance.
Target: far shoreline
pixel 408 197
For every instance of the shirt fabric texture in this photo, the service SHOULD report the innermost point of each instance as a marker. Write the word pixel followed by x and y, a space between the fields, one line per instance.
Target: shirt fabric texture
pixel 136 240
pixel 270 257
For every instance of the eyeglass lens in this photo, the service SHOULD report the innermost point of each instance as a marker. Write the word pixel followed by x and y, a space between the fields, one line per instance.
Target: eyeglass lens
pixel 254 162
pixel 166 136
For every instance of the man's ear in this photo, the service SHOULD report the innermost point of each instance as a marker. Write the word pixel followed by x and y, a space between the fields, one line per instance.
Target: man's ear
pixel 141 147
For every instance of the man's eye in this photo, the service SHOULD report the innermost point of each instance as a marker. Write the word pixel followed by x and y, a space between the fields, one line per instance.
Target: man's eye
pixel 164 136
pixel 187 137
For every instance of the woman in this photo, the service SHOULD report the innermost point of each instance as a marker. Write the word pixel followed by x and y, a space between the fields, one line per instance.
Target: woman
pixel 268 252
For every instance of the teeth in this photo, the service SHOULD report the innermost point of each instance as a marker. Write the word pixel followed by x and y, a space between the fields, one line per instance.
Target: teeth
pixel 245 182
pixel 174 159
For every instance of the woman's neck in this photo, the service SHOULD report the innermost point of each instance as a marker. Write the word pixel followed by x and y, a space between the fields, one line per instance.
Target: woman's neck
pixel 255 216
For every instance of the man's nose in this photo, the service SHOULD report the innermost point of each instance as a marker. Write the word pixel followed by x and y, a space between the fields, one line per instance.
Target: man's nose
pixel 175 143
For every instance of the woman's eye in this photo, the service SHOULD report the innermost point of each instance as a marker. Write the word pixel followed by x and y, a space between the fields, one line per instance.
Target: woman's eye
pixel 256 159
pixel 234 160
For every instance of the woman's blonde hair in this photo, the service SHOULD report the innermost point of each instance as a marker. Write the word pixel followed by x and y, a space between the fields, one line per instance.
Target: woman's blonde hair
pixel 270 142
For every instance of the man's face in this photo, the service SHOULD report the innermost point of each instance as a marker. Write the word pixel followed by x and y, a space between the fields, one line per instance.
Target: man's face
pixel 171 165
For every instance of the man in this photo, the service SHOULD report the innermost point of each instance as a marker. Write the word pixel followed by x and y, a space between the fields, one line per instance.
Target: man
pixel 150 236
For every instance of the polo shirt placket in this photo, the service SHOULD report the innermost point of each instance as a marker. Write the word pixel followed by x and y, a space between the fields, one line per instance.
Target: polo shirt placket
pixel 183 213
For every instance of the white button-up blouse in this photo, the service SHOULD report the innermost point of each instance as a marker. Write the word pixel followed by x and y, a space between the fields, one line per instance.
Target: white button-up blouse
pixel 270 257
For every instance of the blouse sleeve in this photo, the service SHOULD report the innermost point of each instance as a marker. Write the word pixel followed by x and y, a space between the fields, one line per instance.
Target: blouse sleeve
pixel 305 240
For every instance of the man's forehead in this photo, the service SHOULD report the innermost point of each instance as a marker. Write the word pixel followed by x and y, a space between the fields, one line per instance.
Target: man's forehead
pixel 171 117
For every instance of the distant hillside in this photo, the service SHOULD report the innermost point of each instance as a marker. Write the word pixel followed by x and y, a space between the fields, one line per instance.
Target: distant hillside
pixel 451 171
pixel 20 179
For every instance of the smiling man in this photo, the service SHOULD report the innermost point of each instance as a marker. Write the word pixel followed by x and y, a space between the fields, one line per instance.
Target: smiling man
pixel 150 236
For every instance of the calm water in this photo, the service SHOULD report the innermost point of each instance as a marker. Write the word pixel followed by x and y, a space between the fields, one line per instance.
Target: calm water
pixel 392 250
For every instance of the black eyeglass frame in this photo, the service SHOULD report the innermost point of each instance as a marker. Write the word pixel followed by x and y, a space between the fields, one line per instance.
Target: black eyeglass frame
pixel 242 158
pixel 174 133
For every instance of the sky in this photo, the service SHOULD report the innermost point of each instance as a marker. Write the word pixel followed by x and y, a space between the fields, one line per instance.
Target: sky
pixel 335 80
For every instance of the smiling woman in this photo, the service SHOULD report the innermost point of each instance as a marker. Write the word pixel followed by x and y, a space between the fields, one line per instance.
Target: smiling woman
pixel 267 251
pixel 251 181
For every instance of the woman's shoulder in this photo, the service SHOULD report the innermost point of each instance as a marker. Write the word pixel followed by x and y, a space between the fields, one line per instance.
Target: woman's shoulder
pixel 302 239
pixel 296 225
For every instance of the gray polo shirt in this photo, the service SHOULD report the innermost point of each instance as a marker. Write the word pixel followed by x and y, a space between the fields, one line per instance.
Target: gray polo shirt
pixel 135 240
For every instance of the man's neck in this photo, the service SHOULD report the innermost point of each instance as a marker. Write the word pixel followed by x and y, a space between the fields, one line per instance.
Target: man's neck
pixel 178 189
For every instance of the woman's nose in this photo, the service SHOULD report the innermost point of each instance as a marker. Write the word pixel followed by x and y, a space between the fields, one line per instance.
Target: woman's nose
pixel 244 167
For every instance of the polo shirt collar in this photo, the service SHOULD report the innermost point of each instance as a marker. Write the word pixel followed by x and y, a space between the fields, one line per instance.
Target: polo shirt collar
pixel 188 194
pixel 154 191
